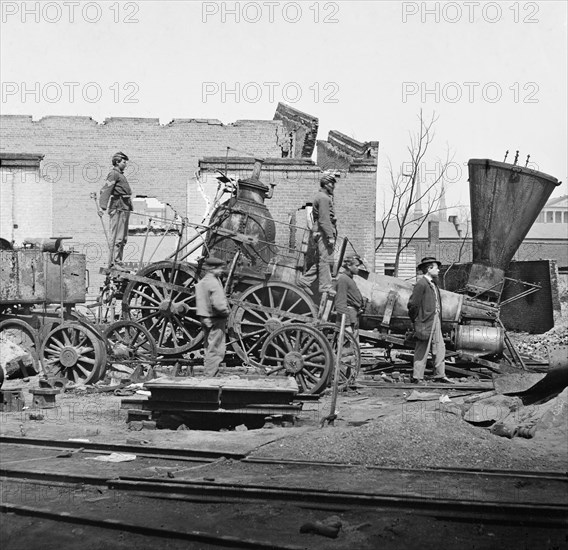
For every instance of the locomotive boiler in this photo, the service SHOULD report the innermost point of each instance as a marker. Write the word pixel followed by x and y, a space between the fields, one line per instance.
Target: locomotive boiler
pixel 245 213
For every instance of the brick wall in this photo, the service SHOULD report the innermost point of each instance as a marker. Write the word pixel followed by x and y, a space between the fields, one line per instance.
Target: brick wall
pixel 302 129
pixel 77 153
pixel 164 158
pixel 355 191
pixel 297 182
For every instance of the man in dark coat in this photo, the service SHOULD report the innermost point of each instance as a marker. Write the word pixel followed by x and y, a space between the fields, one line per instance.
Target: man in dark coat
pixel 212 311
pixel 425 312
pixel 348 298
pixel 325 233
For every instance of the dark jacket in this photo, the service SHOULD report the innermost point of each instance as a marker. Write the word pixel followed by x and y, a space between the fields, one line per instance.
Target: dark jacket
pixel 422 307
pixel 348 294
pixel 324 216
pixel 116 192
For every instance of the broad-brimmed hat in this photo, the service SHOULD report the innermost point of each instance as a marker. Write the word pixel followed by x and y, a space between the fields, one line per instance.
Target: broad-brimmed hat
pixel 212 261
pixel 429 260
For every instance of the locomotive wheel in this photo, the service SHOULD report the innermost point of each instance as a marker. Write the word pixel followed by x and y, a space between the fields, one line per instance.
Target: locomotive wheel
pixel 262 309
pixel 168 315
pixel 300 351
pixel 129 342
pixel 22 334
pixel 74 351
pixel 350 358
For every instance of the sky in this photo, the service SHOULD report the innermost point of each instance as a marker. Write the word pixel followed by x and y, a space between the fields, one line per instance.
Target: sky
pixel 494 74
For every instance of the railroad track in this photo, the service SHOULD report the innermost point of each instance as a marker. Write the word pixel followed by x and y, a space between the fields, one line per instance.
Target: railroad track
pixel 397 488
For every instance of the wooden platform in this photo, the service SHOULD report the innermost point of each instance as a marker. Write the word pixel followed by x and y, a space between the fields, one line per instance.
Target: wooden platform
pixel 229 397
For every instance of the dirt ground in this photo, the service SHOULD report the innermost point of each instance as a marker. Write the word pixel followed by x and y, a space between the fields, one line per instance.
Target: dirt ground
pixel 375 426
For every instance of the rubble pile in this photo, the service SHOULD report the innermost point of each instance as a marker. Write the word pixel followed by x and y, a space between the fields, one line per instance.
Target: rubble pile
pixel 420 437
pixel 537 345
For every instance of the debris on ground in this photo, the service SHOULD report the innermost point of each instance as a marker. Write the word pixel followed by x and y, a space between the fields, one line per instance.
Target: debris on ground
pixel 537 345
pixel 422 396
pixel 114 457
pixel 329 527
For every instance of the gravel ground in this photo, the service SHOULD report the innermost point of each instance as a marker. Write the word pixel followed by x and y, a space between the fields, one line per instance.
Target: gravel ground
pixel 419 437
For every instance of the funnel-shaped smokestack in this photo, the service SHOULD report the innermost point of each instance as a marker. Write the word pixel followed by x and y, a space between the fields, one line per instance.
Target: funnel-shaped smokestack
pixel 505 201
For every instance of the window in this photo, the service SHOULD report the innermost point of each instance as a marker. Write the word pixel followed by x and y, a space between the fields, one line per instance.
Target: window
pixel 565 217
pixel 550 217
pixel 558 217
pixel 389 269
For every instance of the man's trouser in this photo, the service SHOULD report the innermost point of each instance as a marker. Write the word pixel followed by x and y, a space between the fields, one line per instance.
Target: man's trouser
pixel 118 219
pixel 438 352
pixel 321 269
pixel 213 343
pixel 351 321
pixel 352 326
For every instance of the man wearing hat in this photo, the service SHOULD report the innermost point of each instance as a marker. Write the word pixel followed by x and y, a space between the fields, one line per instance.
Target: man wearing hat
pixel 212 311
pixel 425 311
pixel 324 232
pixel 116 195
pixel 348 298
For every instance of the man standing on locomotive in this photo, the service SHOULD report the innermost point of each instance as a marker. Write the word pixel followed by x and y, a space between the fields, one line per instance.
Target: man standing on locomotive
pixel 325 234
pixel 425 312
pixel 212 311
pixel 116 195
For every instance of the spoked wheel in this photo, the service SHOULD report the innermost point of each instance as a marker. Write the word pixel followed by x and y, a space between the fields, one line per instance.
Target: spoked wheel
pixel 166 308
pixel 74 351
pixel 262 309
pixel 300 351
pixel 23 335
pixel 350 356
pixel 130 342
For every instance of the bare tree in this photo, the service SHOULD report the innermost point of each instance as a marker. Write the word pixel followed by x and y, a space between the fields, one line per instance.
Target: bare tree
pixel 463 246
pixel 414 198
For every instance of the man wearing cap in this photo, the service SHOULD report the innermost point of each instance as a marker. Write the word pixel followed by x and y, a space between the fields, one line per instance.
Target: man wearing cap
pixel 212 311
pixel 348 299
pixel 324 233
pixel 116 195
pixel 425 312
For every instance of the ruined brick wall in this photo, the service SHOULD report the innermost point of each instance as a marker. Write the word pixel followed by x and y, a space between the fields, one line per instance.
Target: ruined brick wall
pixel 302 130
pixel 356 189
pixel 77 153
pixel 339 151
pixel 164 159
pixel 355 203
pixel 297 182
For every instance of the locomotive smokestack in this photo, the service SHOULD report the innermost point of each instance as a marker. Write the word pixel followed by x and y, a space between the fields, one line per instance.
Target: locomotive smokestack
pixel 505 201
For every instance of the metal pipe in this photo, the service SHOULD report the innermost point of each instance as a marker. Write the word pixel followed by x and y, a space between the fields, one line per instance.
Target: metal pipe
pixel 141 262
pixel 332 414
